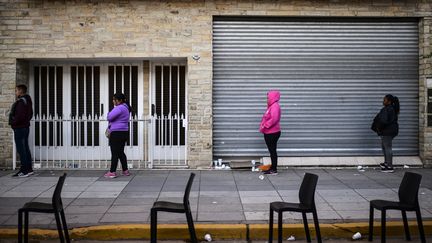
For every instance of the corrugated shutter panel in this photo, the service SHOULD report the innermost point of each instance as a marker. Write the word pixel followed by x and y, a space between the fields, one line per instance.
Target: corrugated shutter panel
pixel 332 74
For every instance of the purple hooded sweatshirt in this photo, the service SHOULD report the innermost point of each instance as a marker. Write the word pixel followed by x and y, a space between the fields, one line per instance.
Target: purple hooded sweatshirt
pixel 270 121
pixel 118 118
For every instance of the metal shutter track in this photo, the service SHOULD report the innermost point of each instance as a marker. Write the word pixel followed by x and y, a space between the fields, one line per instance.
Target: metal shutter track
pixel 332 75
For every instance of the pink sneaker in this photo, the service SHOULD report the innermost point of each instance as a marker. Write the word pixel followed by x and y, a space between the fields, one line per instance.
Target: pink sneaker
pixel 126 173
pixel 110 175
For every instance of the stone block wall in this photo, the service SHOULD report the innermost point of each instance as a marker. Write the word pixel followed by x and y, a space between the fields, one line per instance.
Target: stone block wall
pixel 116 29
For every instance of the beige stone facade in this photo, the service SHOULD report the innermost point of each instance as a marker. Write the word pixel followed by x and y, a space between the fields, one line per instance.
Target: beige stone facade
pixel 145 30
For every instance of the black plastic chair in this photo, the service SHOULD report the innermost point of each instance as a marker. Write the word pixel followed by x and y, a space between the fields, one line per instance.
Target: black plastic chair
pixel 408 201
pixel 306 205
pixel 56 207
pixel 171 207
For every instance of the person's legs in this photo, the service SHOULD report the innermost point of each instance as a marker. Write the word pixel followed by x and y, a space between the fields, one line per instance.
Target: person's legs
pixel 19 137
pixel 115 146
pixel 27 149
pixel 271 142
pixel 122 155
pixel 387 149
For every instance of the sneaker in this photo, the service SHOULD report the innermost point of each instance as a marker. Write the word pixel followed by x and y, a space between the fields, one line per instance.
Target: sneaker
pixel 383 165
pixel 126 173
pixel 110 175
pixel 271 172
pixel 22 174
pixel 387 169
pixel 31 173
pixel 16 174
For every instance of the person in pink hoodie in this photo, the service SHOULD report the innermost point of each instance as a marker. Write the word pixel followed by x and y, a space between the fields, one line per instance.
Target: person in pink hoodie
pixel 270 127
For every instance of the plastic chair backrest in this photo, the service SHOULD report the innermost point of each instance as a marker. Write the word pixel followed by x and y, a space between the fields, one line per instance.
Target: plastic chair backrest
pixel 307 189
pixel 56 199
pixel 409 187
pixel 188 189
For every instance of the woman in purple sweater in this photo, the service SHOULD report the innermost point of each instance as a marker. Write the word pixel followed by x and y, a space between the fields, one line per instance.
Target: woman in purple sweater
pixel 118 126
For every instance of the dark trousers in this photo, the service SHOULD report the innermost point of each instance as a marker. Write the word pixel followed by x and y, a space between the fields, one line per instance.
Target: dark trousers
pixel 386 145
pixel 271 142
pixel 117 142
pixel 21 142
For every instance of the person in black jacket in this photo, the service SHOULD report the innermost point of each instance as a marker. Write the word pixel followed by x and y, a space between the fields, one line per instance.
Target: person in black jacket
pixel 19 119
pixel 386 125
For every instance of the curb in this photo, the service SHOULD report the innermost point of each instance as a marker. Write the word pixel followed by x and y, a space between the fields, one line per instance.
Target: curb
pixel 217 231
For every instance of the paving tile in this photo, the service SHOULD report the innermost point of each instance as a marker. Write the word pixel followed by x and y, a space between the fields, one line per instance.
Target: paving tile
pixel 218 188
pixel 93 201
pixel 139 194
pixel 220 207
pixel 11 209
pixel 255 207
pixel 89 218
pixel 165 217
pixel 85 209
pixel 30 194
pixel 258 194
pixel 221 217
pixel 134 201
pixel 34 219
pixel 246 200
pixel 4 218
pixel 257 215
pixel 177 194
pixel 218 193
pixel 140 208
pixel 95 194
pixel 136 217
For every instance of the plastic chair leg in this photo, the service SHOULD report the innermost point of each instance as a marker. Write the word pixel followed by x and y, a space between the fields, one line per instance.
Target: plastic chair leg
pixel 371 218
pixel 420 226
pixel 317 228
pixel 153 226
pixel 270 239
pixel 383 226
pixel 406 228
pixel 306 227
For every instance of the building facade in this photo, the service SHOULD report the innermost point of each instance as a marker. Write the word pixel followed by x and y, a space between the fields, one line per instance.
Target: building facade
pixel 196 74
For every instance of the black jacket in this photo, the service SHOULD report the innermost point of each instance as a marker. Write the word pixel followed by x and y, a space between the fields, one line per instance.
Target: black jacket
pixel 21 112
pixel 385 122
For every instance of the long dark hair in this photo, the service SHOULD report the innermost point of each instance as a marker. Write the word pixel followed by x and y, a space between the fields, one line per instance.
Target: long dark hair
pixel 121 97
pixel 394 102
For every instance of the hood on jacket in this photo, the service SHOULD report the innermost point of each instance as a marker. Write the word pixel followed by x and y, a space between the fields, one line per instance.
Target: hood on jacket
pixel 272 97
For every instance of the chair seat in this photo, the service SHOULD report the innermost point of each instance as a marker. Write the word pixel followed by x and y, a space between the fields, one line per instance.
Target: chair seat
pixel 38 207
pixel 286 206
pixel 169 207
pixel 385 205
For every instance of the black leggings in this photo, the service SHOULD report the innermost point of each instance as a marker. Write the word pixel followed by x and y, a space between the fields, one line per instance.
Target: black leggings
pixel 271 141
pixel 117 142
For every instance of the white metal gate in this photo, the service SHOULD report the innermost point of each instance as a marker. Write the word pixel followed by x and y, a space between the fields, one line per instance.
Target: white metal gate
pixel 169 114
pixel 71 103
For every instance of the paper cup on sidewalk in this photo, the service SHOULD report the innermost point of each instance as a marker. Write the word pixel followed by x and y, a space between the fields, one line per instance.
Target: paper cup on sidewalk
pixel 357 236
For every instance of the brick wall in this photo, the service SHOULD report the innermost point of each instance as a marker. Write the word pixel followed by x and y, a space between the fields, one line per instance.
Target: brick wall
pixel 154 29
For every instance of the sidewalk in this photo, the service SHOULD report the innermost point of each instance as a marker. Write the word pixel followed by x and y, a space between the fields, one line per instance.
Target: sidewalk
pixel 217 196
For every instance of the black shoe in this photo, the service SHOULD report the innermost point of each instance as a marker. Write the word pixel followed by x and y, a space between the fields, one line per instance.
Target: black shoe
pixel 383 165
pixel 271 172
pixel 22 174
pixel 16 174
pixel 387 169
pixel 31 172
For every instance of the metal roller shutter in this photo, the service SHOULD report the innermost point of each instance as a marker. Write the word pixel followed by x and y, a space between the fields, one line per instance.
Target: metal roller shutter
pixel 332 75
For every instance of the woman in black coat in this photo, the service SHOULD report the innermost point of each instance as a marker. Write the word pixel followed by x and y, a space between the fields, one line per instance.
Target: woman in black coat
pixel 386 125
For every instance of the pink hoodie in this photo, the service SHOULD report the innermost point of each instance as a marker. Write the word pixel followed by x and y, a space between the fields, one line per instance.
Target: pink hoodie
pixel 270 121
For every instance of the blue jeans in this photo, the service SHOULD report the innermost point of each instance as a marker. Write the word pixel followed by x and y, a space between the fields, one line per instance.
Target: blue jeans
pixel 21 141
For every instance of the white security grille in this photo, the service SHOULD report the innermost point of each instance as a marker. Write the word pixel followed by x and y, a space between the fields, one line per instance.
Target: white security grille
pixel 70 107
pixel 169 114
